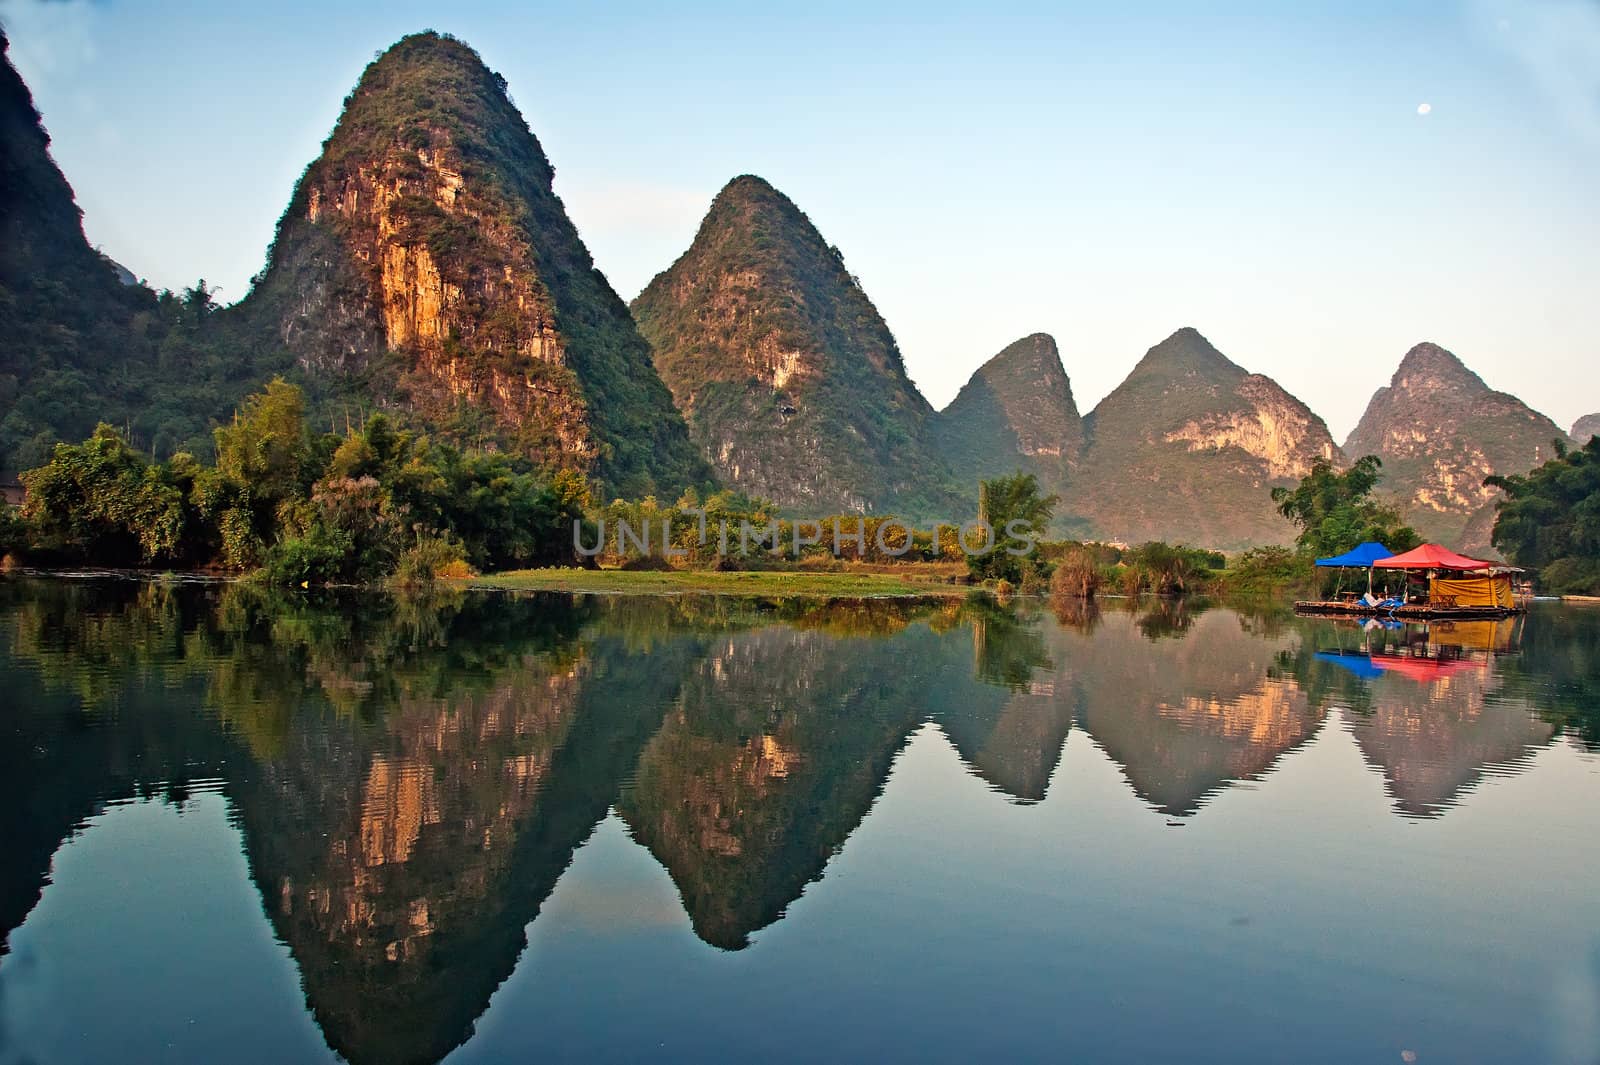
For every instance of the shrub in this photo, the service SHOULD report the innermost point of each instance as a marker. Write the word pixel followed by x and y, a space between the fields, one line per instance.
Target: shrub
pixel 432 558
pixel 322 556
pixel 1076 575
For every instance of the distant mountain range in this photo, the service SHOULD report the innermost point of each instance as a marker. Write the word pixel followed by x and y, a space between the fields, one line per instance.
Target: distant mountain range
pixel 425 266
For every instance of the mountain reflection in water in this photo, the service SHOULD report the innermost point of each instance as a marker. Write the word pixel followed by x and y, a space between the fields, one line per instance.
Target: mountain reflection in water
pixel 411 777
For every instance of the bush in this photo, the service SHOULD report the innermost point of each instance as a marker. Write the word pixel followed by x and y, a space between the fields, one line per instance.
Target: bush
pixel 1269 569
pixel 1571 576
pixel 432 558
pixel 1076 575
pixel 646 564
pixel 12 532
pixel 322 556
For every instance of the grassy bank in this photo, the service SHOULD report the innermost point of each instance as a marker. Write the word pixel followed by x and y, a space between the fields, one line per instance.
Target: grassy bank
pixel 762 583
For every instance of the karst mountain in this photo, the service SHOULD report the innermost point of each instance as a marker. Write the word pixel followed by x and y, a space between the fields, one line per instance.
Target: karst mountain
pixel 1016 413
pixel 425 256
pixel 1440 431
pixel 792 384
pixel 1188 447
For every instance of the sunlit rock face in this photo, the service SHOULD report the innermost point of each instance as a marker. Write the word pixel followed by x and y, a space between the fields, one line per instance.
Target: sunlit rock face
pixel 1440 431
pixel 426 258
pixel 793 386
pixel 1188 448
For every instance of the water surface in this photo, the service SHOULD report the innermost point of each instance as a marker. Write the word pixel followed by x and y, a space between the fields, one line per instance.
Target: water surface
pixel 480 827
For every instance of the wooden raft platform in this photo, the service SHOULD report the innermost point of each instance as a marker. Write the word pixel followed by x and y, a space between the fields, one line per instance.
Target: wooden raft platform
pixel 1418 611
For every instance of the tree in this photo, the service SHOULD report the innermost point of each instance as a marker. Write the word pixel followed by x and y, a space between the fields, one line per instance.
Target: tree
pixel 1549 519
pixel 1170 569
pixel 1336 511
pixel 12 531
pixel 1017 514
pixel 100 501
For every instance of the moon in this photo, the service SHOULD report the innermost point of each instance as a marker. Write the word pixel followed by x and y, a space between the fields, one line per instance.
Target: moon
pixel 1423 109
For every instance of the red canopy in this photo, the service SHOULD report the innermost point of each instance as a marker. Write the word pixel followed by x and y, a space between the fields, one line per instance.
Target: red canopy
pixel 1431 556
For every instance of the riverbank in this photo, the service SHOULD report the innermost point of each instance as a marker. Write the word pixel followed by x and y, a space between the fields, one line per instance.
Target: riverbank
pixel 793 583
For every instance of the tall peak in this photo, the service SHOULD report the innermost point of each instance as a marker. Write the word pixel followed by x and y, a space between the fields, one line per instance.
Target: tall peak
pixel 1440 431
pixel 1186 352
pixel 429 229
pixel 1035 351
pixel 1429 366
pixel 790 379
pixel 1016 412
pixel 750 187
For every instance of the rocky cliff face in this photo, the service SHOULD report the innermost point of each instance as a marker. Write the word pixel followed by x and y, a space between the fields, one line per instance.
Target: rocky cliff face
pixel 1016 413
pixel 793 386
pixel 1585 427
pixel 1440 431
pixel 426 261
pixel 1188 448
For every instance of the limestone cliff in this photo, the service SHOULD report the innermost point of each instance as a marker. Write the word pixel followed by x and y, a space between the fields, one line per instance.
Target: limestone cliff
pixel 1440 431
pixel 1585 427
pixel 426 262
pixel 1188 448
pixel 793 386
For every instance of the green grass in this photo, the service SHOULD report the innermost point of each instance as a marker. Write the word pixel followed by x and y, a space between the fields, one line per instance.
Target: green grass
pixel 762 583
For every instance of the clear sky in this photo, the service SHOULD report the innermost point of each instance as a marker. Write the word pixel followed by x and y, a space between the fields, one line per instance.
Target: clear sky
pixel 1105 173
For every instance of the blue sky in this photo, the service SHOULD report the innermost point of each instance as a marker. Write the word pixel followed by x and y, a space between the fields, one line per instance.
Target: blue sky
pixel 1105 173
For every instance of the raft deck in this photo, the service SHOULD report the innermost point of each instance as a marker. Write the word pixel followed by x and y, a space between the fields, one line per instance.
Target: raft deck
pixel 1420 611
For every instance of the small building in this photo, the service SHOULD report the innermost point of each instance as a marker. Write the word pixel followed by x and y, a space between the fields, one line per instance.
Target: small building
pixel 12 493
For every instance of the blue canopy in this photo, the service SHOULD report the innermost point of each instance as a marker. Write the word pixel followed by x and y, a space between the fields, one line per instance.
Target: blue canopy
pixel 1359 664
pixel 1361 557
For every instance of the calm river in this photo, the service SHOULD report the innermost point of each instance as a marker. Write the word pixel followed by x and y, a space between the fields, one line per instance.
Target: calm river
pixel 244 827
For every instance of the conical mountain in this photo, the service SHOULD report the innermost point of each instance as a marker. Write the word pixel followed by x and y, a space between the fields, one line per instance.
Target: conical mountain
pixel 65 315
pixel 1188 448
pixel 1585 427
pixel 792 384
pixel 1440 431
pixel 426 262
pixel 1015 413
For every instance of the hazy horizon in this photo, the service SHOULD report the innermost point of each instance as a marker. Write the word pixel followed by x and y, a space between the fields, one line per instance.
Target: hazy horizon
pixel 1268 178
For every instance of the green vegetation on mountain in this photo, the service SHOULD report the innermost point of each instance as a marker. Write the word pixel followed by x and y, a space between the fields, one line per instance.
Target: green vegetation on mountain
pixel 1016 412
pixel 81 345
pixel 1336 511
pixel 1549 519
pixel 792 384
pixel 1187 447
pixel 1440 432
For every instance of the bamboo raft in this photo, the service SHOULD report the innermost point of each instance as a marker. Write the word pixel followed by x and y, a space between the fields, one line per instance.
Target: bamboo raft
pixel 1417 611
